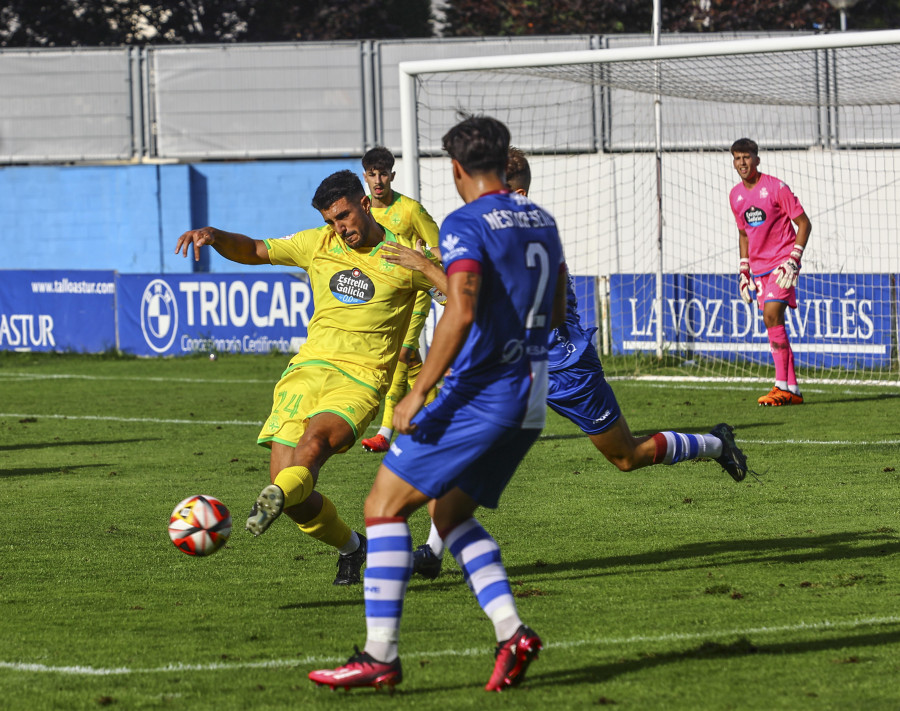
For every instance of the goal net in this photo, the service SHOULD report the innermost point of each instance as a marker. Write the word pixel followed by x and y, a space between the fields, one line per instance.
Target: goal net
pixel 629 149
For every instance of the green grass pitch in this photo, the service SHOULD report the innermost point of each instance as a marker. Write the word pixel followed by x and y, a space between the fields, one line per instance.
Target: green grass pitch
pixel 666 588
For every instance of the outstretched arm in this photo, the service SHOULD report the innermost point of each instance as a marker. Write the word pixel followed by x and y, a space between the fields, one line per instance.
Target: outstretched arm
pixel 415 260
pixel 231 245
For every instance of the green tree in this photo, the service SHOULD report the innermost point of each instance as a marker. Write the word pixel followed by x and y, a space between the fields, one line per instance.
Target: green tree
pixel 195 21
pixel 64 23
pixel 289 20
pixel 71 23
pixel 476 18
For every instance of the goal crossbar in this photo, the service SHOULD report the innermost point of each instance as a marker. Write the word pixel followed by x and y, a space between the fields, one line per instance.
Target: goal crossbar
pixel 410 70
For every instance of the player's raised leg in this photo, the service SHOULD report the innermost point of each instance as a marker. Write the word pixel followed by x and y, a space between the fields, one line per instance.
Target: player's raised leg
pixel 294 472
pixel 580 393
pixel 628 452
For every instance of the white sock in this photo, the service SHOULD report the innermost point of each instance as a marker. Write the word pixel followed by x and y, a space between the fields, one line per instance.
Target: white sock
pixel 351 545
pixel 435 542
pixel 386 432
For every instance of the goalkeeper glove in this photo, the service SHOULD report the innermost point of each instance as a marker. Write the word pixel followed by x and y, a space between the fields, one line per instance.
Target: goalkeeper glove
pixel 745 283
pixel 786 275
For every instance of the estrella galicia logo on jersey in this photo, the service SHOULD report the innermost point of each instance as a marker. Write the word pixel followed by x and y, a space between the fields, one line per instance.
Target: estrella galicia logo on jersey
pixel 754 216
pixel 159 315
pixel 351 286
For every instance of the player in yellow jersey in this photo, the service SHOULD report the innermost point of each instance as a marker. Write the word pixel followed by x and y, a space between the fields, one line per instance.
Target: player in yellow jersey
pixel 402 215
pixel 332 388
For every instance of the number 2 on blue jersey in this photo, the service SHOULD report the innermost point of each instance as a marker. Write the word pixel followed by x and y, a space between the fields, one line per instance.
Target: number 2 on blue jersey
pixel 536 257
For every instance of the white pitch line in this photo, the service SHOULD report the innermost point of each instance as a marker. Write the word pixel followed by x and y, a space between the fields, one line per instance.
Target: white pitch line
pixel 155 420
pixel 740 388
pixel 259 423
pixel 662 382
pixel 726 380
pixel 149 378
pixel 470 652
pixel 875 443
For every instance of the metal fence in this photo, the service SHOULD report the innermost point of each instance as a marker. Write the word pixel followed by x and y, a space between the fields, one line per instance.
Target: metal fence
pixel 243 101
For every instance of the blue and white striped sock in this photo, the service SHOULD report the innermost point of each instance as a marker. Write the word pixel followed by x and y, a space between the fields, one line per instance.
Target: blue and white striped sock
pixel 388 569
pixel 478 554
pixel 674 447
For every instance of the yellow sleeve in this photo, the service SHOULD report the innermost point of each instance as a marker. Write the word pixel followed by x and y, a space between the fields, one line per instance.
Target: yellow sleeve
pixel 295 250
pixel 424 225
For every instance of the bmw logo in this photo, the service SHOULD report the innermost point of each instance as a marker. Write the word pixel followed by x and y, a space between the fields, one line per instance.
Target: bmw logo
pixel 159 315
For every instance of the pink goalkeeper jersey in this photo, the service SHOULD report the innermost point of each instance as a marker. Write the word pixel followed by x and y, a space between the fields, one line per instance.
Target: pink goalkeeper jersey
pixel 765 214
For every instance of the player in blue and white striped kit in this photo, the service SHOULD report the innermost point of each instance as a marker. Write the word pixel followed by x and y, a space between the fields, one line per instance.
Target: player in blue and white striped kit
pixel 578 391
pixel 504 266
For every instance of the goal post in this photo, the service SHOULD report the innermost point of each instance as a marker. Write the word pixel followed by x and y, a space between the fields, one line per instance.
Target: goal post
pixel 640 191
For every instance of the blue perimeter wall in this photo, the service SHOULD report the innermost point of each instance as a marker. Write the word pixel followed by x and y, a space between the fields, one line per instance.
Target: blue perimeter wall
pixel 128 218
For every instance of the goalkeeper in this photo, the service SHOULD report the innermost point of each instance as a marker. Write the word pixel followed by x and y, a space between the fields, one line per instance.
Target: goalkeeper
pixel 766 210
pixel 404 216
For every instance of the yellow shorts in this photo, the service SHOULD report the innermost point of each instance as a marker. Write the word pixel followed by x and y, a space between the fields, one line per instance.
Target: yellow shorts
pixel 308 390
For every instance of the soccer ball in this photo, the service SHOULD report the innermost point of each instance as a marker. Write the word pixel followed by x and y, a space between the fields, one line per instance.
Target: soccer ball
pixel 200 525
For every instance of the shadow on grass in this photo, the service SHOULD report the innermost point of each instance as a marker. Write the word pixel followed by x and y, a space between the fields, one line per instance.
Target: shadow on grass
pixel 849 545
pixel 449 579
pixel 599 673
pixel 316 604
pixel 831 399
pixel 715 650
pixel 36 471
pixel 74 443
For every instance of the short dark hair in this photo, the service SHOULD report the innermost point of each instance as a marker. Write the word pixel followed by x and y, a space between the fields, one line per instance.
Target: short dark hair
pixel 518 172
pixel 343 184
pixel 745 145
pixel 378 158
pixel 480 144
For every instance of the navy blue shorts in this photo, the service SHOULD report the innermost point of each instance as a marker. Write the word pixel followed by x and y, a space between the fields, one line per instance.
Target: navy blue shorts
pixel 581 394
pixel 456 447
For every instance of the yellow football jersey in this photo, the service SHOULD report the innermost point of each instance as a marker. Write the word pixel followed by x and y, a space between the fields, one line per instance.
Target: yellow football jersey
pixel 405 216
pixel 362 303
